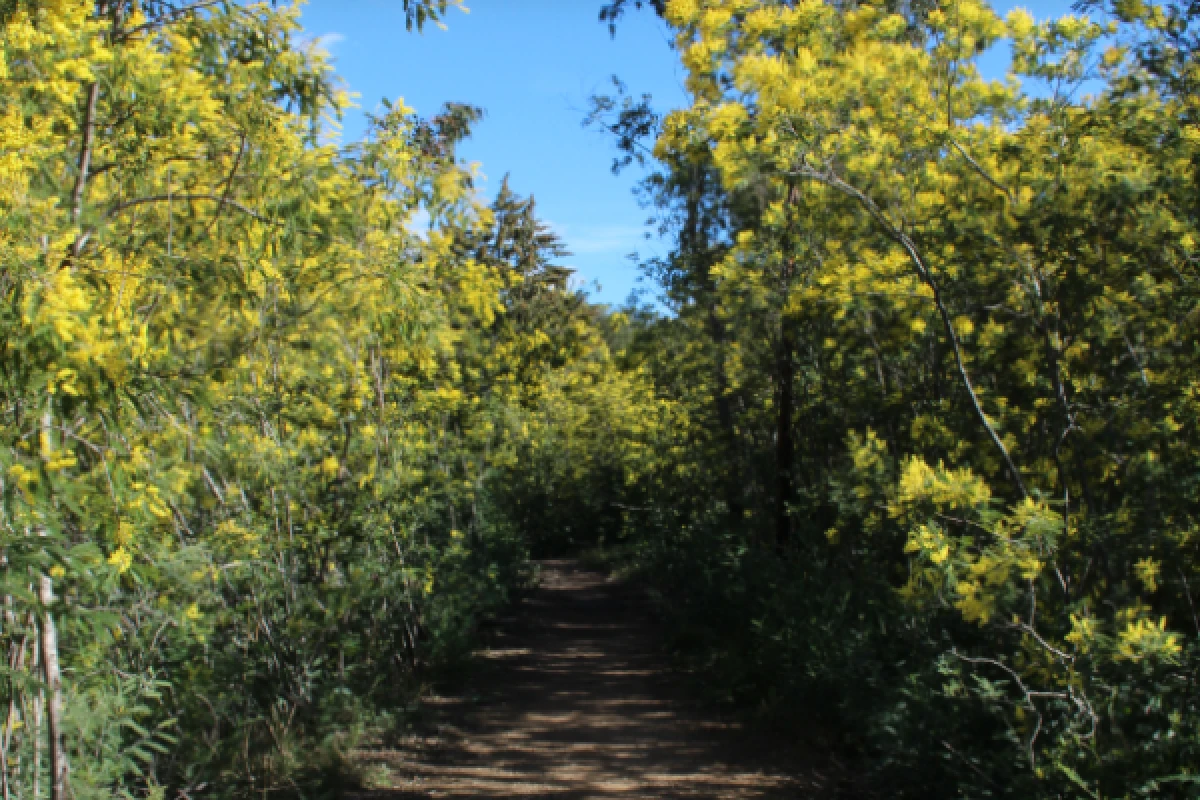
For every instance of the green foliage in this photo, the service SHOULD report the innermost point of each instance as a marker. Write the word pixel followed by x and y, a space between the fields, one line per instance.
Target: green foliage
pixel 929 370
pixel 910 458
pixel 251 409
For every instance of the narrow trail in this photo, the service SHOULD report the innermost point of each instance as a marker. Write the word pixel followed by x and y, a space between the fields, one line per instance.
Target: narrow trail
pixel 574 702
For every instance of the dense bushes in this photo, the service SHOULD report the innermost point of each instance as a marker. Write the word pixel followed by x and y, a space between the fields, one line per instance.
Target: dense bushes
pixel 932 441
pixel 255 386
pixel 911 457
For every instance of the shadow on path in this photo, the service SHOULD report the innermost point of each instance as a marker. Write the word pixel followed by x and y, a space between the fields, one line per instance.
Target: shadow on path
pixel 576 703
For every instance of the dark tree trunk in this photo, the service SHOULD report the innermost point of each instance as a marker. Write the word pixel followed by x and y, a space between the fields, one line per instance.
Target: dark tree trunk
pixel 733 480
pixel 785 444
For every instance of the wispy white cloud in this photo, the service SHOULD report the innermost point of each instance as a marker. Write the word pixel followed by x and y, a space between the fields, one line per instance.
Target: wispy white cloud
pixel 323 41
pixel 328 41
pixel 594 239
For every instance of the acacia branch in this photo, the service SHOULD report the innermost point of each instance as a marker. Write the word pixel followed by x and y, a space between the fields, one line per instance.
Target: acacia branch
pixel 163 198
pixel 983 173
pixel 829 178
pixel 167 19
pixel 1029 695
pixel 1051 348
pixel 1187 591
pixel 237 163
pixel 85 160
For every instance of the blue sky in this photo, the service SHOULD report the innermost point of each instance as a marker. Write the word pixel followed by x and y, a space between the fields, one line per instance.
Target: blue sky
pixel 532 65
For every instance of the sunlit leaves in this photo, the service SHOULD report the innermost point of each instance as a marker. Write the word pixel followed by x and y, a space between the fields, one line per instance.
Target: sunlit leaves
pixel 987 281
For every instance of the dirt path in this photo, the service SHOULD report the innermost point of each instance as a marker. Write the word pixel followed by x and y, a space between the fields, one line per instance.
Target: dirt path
pixel 576 703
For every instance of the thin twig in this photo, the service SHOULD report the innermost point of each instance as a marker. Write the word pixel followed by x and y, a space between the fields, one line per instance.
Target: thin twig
pixel 161 198
pixel 167 19
pixel 1187 590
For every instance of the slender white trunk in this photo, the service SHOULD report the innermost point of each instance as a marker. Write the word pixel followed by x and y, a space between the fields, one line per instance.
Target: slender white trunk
pixel 54 698
pixel 17 664
pixel 36 764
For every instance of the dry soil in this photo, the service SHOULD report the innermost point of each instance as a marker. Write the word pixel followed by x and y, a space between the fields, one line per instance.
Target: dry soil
pixel 573 701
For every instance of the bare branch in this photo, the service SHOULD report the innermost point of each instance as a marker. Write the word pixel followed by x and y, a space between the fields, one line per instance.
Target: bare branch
pixel 163 198
pixel 983 173
pixel 167 19
pixel 829 178
pixel 85 160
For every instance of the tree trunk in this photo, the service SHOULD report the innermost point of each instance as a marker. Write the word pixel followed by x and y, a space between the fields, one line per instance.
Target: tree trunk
pixel 54 701
pixel 16 663
pixel 37 715
pixel 733 481
pixel 785 445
